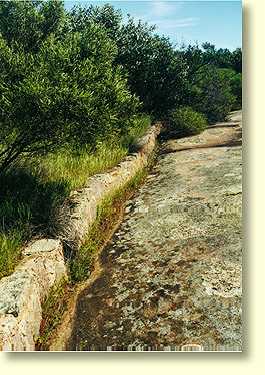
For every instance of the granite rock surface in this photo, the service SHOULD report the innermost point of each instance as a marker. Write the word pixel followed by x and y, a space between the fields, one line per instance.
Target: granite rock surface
pixel 171 275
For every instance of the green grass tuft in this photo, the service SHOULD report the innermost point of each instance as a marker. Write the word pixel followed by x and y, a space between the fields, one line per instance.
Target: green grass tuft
pixel 108 215
pixel 52 310
pixel 31 190
pixel 10 251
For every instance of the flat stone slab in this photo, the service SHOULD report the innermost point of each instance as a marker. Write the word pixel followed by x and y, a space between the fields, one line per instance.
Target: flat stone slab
pixel 43 245
pixel 171 275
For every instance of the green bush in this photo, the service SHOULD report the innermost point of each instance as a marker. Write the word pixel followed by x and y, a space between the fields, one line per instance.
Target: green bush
pixel 29 23
pixel 234 80
pixel 156 72
pixel 212 93
pixel 185 121
pixel 214 81
pixel 67 92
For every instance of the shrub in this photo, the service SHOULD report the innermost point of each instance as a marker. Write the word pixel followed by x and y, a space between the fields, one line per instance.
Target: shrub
pixel 155 70
pixel 214 82
pixel 212 93
pixel 69 92
pixel 185 121
pixel 29 23
pixel 234 80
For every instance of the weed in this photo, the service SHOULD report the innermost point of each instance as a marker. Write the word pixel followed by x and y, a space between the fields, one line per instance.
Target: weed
pixel 52 310
pixel 10 250
pixel 108 215
pixel 31 190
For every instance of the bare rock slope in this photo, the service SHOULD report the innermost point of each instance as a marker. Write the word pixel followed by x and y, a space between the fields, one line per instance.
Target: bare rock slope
pixel 171 275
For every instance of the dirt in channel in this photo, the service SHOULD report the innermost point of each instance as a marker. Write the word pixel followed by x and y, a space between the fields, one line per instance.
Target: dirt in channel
pixel 171 274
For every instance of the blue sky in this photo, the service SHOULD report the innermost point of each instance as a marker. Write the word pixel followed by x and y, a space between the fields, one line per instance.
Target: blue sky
pixel 218 22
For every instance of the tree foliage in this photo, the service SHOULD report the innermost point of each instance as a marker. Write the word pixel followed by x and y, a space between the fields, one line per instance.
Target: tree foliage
pixel 211 93
pixel 214 84
pixel 156 71
pixel 67 92
pixel 29 23
pixel 75 77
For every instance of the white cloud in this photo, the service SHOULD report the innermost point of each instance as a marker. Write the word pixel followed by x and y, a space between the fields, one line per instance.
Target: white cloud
pixel 163 14
pixel 159 9
pixel 175 23
pixel 164 8
pixel 186 22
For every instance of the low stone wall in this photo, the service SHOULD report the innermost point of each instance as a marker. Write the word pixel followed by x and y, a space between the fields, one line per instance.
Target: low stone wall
pixel 43 265
pixel 22 293
pixel 80 209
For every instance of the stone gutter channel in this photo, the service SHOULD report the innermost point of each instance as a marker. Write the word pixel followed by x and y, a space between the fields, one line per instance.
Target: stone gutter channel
pixel 43 264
